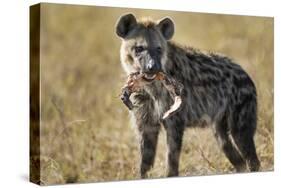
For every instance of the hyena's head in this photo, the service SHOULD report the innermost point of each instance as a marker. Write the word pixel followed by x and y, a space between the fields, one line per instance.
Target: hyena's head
pixel 144 44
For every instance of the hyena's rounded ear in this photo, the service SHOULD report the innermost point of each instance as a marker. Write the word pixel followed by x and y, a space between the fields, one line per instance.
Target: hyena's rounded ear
pixel 125 24
pixel 166 27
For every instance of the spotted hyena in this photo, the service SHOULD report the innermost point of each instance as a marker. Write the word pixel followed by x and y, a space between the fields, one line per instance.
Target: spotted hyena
pixel 217 92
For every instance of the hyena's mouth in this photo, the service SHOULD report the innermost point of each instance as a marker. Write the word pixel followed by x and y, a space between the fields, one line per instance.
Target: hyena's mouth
pixel 149 77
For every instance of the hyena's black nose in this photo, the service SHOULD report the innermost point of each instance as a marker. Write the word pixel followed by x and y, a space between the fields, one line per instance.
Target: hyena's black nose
pixel 152 66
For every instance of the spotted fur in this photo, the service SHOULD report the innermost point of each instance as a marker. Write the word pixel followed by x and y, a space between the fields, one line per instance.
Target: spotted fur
pixel 217 93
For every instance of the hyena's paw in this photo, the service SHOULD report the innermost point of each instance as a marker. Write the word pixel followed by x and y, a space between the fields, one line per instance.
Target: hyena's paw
pixel 125 97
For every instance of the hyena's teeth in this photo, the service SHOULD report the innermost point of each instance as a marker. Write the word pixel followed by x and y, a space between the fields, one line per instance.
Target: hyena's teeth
pixel 150 77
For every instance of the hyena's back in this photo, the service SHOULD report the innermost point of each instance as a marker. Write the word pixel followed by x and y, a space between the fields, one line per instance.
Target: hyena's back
pixel 214 86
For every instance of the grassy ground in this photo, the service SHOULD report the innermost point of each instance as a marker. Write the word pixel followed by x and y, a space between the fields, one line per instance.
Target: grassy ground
pixel 86 134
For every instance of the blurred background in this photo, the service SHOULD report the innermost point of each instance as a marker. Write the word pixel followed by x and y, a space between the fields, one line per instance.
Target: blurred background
pixel 85 133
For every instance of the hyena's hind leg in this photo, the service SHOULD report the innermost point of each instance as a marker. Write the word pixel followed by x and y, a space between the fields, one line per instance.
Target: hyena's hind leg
pixel 221 131
pixel 243 131
pixel 148 130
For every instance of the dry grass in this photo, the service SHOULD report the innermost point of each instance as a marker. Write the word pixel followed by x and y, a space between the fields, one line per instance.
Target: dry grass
pixel 86 134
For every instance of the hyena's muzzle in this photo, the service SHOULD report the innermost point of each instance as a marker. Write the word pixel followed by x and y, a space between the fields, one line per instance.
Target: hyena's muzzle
pixel 151 64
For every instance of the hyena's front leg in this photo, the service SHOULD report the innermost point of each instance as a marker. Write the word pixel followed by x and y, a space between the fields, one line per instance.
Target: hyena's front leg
pixel 148 130
pixel 148 144
pixel 174 131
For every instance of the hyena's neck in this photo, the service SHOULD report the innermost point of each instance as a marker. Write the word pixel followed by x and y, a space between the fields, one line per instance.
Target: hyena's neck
pixel 195 67
pixel 179 62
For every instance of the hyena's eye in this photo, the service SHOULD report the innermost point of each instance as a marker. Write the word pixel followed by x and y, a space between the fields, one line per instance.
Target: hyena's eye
pixel 139 49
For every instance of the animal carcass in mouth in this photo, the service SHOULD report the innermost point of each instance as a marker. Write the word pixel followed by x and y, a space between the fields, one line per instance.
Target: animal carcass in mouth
pixel 136 82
